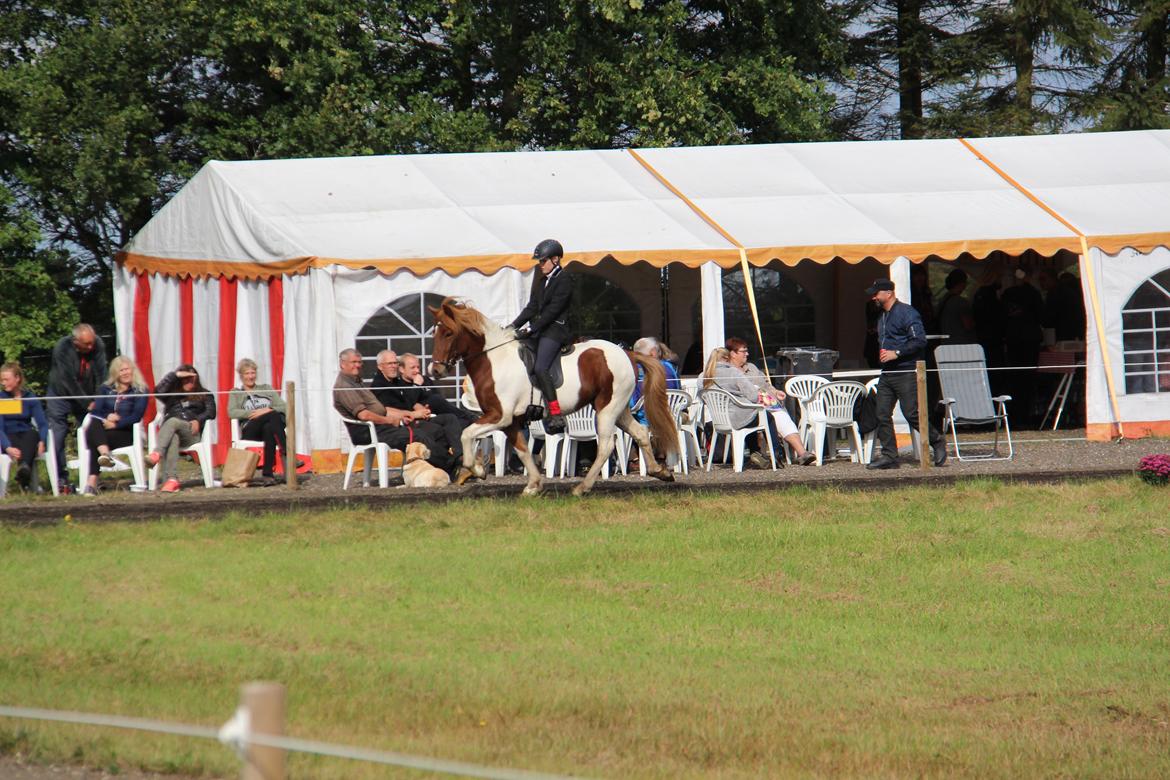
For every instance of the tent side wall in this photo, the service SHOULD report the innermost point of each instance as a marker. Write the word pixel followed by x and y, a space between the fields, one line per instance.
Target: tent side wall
pixel 292 326
pixel 1142 414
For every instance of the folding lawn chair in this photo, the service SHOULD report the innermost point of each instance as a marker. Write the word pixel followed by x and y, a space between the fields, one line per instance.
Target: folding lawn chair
pixel 962 373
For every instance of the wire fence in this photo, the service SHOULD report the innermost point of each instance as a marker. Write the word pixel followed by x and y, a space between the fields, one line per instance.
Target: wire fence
pixel 842 373
pixel 237 735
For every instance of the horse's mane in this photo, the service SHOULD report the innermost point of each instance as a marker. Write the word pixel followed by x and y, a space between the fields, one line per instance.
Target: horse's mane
pixel 466 317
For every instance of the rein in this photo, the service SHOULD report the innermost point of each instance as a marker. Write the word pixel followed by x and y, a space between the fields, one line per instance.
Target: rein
pixel 465 358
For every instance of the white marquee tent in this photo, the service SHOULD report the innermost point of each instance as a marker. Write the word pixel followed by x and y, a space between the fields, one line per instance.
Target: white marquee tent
pixel 284 261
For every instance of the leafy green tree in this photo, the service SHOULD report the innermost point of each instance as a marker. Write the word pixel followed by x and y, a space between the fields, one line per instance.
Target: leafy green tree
pixel 35 309
pixel 1133 89
pixel 1040 57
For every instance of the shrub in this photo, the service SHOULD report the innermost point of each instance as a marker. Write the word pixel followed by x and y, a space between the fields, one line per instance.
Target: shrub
pixel 1155 469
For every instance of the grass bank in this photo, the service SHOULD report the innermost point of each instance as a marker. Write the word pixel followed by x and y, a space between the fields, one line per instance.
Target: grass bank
pixel 981 630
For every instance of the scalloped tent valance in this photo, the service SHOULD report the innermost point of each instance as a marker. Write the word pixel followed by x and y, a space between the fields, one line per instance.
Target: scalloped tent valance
pixel 792 202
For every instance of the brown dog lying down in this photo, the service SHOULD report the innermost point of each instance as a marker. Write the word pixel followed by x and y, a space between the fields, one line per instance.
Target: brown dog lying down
pixel 416 472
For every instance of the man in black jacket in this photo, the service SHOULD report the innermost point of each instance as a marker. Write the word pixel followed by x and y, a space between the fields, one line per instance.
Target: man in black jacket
pixel 546 319
pixel 78 366
pixel 901 343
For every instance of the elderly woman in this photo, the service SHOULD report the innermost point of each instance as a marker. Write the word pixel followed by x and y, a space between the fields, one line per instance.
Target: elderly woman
pixel 19 439
pixel 189 407
pixel 730 370
pixel 120 403
pixel 261 412
pixel 652 347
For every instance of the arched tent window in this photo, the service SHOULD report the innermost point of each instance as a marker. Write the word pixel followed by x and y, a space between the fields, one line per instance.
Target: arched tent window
pixel 1145 336
pixel 602 310
pixel 787 314
pixel 403 325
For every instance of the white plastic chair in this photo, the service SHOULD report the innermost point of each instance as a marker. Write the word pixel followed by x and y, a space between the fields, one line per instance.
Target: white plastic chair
pixel 242 444
pixel 553 443
pixel 50 460
pixel 802 388
pixel 831 408
pixel 719 404
pixel 380 450
pixel 494 444
pixel 899 423
pixel 201 449
pixel 580 426
pixel 133 451
pixel 681 403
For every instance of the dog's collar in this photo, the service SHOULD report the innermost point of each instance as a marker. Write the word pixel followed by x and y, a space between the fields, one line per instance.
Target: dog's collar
pixel 408 461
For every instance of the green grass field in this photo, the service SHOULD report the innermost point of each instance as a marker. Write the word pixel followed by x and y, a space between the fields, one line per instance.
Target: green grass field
pixel 980 630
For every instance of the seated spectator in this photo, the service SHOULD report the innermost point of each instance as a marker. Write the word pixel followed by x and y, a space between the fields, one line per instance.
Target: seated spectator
pixel 430 399
pixel 747 383
pixel 187 410
pixel 399 385
pixel 393 427
pixel 120 404
pixel 652 347
pixel 18 438
pixel 261 412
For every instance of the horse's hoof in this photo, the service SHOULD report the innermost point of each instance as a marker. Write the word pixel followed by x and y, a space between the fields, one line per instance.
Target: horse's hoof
pixel 664 474
pixel 533 490
pixel 580 490
pixel 464 475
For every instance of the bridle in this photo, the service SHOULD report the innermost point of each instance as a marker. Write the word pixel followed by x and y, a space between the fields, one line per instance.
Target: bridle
pixel 450 362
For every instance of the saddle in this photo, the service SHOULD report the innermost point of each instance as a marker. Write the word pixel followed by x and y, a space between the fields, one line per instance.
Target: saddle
pixel 528 355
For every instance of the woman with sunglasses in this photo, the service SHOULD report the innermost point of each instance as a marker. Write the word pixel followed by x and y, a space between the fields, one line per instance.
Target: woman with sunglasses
pixel 189 406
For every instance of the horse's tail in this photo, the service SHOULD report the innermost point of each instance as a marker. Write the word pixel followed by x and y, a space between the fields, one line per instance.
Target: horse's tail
pixel 655 404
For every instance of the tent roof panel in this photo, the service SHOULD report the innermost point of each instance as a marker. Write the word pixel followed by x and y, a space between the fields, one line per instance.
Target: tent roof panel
pixel 793 201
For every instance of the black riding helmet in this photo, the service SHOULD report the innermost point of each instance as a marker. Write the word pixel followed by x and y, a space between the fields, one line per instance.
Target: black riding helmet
pixel 550 247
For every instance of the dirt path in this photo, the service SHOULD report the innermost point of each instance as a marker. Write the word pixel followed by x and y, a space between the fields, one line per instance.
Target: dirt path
pixel 1040 457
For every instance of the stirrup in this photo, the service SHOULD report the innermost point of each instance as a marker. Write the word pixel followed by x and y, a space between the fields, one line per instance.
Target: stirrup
pixel 554 423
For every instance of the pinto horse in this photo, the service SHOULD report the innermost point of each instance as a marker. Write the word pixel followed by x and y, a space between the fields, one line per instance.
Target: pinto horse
pixel 596 372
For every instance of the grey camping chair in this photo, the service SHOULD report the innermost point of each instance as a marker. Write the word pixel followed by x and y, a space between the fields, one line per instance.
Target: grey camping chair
pixel 962 373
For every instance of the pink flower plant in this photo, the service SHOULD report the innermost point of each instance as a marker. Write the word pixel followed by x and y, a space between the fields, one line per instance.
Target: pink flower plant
pixel 1155 469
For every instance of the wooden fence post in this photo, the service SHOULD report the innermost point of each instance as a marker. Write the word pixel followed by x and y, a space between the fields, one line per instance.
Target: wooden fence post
pixel 924 456
pixel 264 702
pixel 290 436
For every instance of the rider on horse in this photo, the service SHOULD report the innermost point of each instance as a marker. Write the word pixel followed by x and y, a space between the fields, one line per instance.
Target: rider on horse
pixel 547 318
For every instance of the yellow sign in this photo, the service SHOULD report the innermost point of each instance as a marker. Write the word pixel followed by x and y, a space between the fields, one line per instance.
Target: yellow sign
pixel 9 406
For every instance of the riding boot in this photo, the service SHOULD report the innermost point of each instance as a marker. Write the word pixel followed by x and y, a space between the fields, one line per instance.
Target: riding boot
pixel 555 422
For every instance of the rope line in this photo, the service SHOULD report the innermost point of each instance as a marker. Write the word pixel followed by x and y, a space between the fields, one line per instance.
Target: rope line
pixel 1048 368
pixel 292 744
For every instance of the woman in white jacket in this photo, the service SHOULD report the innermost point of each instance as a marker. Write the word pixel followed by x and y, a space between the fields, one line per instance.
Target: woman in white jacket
pixel 729 370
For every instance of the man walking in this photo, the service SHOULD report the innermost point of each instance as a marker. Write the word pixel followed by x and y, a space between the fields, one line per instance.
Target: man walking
pixel 901 343
pixel 78 366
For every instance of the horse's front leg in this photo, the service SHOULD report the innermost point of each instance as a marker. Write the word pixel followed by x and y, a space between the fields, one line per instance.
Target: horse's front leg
pixel 471 466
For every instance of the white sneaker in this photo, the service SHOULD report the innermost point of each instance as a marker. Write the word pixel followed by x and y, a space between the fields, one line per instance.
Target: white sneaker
pixel 105 461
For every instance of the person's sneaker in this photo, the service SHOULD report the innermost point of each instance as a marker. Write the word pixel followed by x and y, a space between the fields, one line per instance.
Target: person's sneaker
pixel 171 486
pixel 267 480
pixel 154 457
pixel 940 452
pixel 758 461
pixel 22 476
pixel 807 459
pixel 65 489
pixel 883 463
pixel 105 461
pixel 89 490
